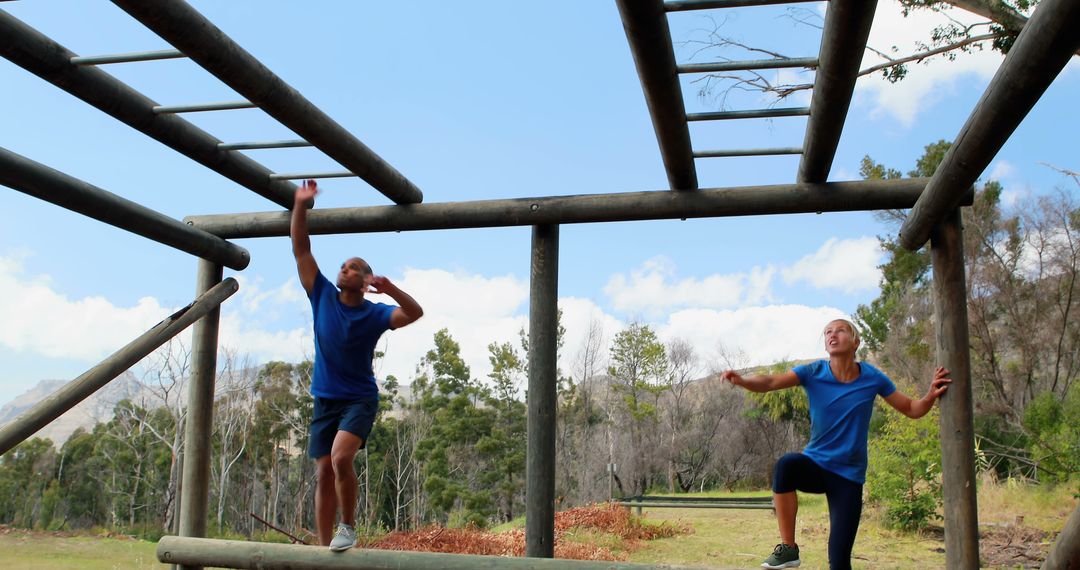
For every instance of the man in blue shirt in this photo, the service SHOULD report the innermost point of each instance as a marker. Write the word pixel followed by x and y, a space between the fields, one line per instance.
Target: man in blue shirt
pixel 347 327
pixel 841 393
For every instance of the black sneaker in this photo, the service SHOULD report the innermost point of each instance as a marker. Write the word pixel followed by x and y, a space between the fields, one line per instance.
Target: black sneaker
pixel 783 556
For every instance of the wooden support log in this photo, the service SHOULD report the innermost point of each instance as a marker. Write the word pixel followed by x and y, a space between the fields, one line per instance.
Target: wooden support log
pixel 1047 42
pixel 647 32
pixel 587 208
pixel 36 53
pixel 266 556
pixel 198 446
pixel 543 396
pixel 40 181
pixel 957 427
pixel 1065 553
pixel 843 41
pixel 190 32
pixel 92 380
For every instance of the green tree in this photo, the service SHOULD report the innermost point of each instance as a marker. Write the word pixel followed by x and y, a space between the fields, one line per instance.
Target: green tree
pixel 504 446
pixel 25 474
pixel 450 462
pixel 905 469
pixel 639 368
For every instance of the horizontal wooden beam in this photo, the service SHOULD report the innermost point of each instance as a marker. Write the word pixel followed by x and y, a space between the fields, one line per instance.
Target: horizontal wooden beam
pixel 587 208
pixel 1043 48
pixel 682 5
pixel 843 42
pixel 40 55
pixel 185 28
pixel 218 553
pixel 649 37
pixel 40 181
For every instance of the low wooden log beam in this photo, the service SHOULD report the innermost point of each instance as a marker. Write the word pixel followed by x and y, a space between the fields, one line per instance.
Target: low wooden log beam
pixel 266 556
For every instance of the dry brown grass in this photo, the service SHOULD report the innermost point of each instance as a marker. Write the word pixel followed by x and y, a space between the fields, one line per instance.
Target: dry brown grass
pixel 600 518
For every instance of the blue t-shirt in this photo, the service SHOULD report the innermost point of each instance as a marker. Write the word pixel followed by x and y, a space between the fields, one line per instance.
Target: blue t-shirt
pixel 840 416
pixel 345 339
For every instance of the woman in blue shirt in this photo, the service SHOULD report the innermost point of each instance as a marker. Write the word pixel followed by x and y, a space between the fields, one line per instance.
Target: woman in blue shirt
pixel 841 393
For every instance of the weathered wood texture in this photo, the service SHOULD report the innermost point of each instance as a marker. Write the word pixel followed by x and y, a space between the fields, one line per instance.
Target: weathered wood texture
pixel 1041 51
pixel 195 503
pixel 53 186
pixel 957 425
pixel 190 32
pixel 843 42
pixel 646 26
pixel 618 207
pixel 1065 553
pixel 67 397
pixel 543 371
pixel 266 556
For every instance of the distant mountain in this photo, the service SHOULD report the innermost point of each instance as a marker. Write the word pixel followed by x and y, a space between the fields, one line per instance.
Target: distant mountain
pixel 97 408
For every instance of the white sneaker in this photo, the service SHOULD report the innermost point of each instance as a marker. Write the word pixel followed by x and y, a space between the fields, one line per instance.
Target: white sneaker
pixel 344 539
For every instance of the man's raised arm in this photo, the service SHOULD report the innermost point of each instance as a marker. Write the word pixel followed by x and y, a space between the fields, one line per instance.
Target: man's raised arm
pixel 301 241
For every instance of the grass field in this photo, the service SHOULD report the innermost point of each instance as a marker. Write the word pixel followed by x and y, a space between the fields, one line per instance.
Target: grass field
pixel 1016 522
pixel 50 551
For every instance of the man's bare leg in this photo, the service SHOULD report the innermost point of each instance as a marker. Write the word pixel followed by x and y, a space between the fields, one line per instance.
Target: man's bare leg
pixel 341 457
pixel 326 500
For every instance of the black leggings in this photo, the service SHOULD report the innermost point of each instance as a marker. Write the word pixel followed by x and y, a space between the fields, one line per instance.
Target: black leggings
pixel 797 472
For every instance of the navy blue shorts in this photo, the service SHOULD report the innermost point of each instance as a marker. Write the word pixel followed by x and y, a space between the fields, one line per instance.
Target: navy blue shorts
pixel 331 416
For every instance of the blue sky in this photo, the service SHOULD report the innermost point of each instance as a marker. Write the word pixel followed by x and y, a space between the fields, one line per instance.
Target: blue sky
pixel 473 100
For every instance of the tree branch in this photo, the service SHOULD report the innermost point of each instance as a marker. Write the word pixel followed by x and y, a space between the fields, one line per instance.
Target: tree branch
pixel 929 53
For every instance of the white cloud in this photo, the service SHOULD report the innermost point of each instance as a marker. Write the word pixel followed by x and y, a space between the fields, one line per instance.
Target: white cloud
pixel 1014 191
pixel 849 265
pixel 652 288
pixel 928 83
pixel 762 334
pixel 39 320
pixel 1001 170
pixel 262 324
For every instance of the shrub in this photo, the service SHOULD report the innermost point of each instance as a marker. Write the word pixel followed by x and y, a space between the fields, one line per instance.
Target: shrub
pixel 905 470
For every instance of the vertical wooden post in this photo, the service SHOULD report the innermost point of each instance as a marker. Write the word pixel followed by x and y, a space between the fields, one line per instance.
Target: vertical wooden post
pixel 957 412
pixel 195 500
pixel 541 397
pixel 1065 553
